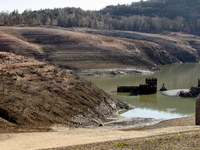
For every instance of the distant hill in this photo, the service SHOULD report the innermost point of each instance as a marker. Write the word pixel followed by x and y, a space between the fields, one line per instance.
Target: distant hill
pixel 158 15
pixel 171 9
pixel 143 16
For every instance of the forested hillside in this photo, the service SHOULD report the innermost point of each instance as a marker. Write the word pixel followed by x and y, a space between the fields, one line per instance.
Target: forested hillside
pixel 160 8
pixel 144 16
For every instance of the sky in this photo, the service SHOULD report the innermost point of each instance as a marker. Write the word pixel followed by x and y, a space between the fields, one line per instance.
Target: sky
pixel 21 5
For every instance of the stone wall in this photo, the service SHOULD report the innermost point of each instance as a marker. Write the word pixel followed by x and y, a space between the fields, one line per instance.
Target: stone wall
pixel 197 113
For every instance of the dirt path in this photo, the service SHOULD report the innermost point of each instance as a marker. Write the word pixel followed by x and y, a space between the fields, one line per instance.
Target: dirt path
pixel 28 141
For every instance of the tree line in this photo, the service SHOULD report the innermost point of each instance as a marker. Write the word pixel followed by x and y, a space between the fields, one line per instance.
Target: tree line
pixel 148 16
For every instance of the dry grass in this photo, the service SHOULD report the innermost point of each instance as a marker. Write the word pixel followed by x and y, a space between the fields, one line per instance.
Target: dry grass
pixel 183 141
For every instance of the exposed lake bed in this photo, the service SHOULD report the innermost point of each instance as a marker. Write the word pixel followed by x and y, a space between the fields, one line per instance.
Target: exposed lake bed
pixel 113 72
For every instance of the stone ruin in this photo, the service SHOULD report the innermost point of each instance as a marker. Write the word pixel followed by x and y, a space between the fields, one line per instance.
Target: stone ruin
pixel 193 92
pixel 149 87
pixel 163 88
pixel 197 113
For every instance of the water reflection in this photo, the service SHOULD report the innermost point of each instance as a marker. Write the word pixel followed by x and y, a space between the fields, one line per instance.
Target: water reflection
pixel 161 103
pixel 176 76
pixel 145 100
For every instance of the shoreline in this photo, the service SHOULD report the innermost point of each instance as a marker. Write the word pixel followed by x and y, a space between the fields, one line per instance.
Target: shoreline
pixel 114 122
pixel 71 137
pixel 134 124
pixel 112 72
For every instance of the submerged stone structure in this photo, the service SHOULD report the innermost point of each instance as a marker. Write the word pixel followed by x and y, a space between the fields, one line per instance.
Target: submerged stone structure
pixel 193 92
pixel 197 112
pixel 149 87
pixel 163 88
pixel 198 82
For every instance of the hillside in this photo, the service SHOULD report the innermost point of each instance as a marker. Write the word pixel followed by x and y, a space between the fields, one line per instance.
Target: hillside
pixel 81 48
pixel 35 94
pixel 162 8
pixel 182 47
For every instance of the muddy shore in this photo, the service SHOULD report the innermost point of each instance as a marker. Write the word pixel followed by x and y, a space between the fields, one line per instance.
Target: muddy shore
pixel 113 122
pixel 112 72
pixel 116 121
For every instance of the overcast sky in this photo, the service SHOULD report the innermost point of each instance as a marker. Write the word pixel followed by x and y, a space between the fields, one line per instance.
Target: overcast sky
pixel 21 5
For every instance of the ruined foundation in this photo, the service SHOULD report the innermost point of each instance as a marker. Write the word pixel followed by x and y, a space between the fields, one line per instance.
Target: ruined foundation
pixel 197 113
pixel 149 87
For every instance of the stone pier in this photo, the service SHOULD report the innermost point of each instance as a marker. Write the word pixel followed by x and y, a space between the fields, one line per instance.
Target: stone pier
pixel 197 113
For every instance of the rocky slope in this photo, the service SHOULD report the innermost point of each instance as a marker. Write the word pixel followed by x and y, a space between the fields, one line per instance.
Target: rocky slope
pixel 35 93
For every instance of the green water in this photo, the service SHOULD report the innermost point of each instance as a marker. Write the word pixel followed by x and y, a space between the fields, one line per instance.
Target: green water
pixel 158 106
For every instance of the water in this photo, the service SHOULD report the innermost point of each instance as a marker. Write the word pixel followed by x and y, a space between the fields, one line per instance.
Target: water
pixel 158 106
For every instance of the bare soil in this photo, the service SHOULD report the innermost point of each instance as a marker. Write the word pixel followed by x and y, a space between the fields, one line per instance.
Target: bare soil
pixel 169 134
pixel 37 94
pixel 77 48
pixel 182 47
pixel 111 72
pixel 80 48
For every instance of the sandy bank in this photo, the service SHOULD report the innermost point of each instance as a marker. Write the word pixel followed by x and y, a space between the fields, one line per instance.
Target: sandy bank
pixel 24 141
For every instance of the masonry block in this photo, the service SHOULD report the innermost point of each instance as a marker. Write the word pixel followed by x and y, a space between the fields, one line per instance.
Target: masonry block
pixel 197 113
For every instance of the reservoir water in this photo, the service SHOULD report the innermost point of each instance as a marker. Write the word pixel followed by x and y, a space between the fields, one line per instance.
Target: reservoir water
pixel 158 106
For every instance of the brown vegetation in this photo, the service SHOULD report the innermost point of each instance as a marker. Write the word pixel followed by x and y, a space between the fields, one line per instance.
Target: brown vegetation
pixel 167 140
pixel 37 94
pixel 186 140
